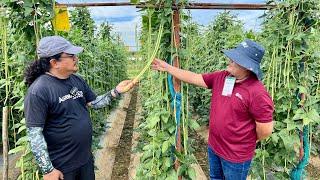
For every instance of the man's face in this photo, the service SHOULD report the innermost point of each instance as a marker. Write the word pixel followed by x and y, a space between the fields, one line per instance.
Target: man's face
pixel 68 63
pixel 235 69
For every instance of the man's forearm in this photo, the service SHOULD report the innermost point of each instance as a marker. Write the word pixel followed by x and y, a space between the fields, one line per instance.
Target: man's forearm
pixel 261 137
pixel 104 100
pixel 39 149
pixel 263 130
pixel 186 76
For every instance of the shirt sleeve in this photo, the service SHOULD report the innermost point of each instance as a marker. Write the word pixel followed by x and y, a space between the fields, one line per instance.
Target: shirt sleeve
pixel 262 108
pixel 88 93
pixel 39 149
pixel 209 78
pixel 35 109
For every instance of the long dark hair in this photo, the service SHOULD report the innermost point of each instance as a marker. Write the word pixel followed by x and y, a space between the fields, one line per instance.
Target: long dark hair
pixel 37 68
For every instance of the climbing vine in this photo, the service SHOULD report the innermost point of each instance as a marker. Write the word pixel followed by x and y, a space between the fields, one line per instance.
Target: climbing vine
pixel 292 78
pixel 158 128
pixel 102 64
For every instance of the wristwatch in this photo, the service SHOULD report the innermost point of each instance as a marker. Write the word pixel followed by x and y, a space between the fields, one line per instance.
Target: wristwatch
pixel 116 92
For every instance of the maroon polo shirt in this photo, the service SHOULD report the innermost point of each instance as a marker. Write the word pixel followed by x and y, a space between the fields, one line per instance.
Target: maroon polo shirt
pixel 232 127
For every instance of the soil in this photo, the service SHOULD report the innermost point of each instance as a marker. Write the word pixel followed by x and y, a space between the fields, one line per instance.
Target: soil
pixel 201 149
pixel 109 141
pixel 313 168
pixel 123 151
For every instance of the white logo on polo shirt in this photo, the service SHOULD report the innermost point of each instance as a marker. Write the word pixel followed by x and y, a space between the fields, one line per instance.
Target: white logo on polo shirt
pixel 238 96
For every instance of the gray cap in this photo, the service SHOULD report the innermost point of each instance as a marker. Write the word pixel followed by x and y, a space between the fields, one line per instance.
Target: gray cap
pixel 52 45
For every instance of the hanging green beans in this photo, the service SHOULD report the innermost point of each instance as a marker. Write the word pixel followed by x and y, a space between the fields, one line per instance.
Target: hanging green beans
pixel 152 56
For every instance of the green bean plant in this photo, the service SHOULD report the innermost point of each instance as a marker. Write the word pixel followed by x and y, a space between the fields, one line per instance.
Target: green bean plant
pixel 25 26
pixel 291 69
pixel 157 129
pixel 102 64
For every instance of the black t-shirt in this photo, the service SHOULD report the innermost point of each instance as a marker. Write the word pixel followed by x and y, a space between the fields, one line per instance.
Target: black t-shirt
pixel 59 106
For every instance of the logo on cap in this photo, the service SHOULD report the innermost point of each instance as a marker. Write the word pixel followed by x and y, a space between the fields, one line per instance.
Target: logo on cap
pixel 244 44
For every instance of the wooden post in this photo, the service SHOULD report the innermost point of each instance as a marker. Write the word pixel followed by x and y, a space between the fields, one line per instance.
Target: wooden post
pixel 177 82
pixel 5 114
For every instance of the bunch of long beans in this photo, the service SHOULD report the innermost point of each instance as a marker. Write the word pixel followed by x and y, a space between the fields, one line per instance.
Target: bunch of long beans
pixel 291 73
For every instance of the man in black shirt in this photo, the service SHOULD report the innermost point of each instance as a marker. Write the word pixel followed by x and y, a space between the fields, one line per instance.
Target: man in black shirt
pixel 56 109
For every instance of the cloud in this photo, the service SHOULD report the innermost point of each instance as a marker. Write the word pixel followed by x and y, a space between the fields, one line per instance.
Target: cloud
pixel 250 18
pixel 124 19
pixel 115 19
pixel 126 30
pixel 118 11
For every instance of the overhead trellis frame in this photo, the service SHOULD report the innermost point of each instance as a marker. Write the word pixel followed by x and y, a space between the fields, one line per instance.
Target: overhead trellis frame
pixel 234 6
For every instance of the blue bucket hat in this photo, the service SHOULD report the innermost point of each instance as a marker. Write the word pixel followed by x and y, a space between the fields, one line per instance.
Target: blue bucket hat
pixel 247 54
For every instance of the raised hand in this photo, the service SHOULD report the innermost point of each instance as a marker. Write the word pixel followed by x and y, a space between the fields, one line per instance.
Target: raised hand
pixel 125 86
pixel 159 65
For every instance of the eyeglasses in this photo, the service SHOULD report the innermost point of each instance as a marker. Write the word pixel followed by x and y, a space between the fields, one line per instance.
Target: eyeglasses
pixel 73 56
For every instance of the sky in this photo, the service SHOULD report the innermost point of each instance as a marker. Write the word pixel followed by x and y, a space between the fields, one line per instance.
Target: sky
pixel 125 20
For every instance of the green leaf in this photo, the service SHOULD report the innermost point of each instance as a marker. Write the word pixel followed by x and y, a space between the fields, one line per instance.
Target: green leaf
pixel 172 129
pixel 148 147
pixel 172 140
pixel 313 115
pixel 302 90
pixel 298 114
pixel 192 173
pixel 194 125
pixel 152 132
pixel 17 149
pixel 182 169
pixel 275 138
pixel 21 128
pixel 167 162
pixel 152 121
pixel 306 121
pixel 172 175
pixel 22 140
pixel 165 146
pixel 286 138
pixel 291 126
pixel 165 116
pixel 23 121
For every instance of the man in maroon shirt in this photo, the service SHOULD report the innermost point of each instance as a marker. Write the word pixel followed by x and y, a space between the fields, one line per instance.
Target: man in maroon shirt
pixel 240 112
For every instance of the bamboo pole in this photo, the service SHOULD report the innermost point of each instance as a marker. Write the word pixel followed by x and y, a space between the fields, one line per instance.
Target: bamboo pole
pixel 5 109
pixel 5 114
pixel 177 82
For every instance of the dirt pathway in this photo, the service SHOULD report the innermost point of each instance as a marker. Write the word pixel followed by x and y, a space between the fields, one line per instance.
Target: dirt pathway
pixel 105 157
pixel 201 149
pixel 116 161
pixel 122 161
